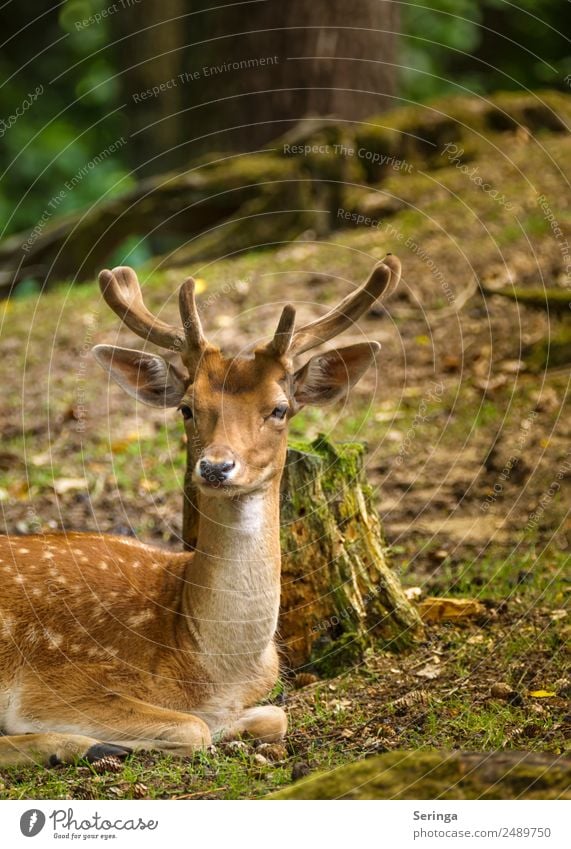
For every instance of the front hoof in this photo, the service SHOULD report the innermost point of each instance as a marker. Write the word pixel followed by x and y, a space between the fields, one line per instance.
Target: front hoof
pixel 272 726
pixel 106 750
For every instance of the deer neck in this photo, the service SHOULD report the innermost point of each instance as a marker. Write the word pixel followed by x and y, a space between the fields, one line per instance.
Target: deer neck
pixel 232 583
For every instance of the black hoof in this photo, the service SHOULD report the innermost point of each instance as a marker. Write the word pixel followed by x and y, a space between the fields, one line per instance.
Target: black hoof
pixel 106 750
pixel 54 760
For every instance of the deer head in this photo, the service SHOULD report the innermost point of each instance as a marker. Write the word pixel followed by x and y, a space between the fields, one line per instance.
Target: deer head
pixel 237 410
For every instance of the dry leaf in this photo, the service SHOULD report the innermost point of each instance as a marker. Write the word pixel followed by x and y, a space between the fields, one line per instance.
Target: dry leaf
pixel 501 690
pixel 43 459
pixel 431 671
pixel 491 385
pixel 147 485
pixel 63 485
pixel 512 366
pixel 441 609
pixel 20 490
pixel 542 694
pixel 557 614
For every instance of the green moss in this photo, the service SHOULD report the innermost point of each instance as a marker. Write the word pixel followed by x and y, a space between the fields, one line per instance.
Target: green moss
pixel 552 352
pixel 330 657
pixel 442 775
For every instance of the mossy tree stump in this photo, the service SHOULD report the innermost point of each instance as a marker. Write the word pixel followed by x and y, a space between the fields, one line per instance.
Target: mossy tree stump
pixel 339 594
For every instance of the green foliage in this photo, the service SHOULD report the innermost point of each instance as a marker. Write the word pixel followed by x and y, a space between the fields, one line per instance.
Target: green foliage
pixel 454 46
pixel 59 112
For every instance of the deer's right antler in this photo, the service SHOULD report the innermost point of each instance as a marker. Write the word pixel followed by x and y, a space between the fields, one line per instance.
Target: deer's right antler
pixel 122 292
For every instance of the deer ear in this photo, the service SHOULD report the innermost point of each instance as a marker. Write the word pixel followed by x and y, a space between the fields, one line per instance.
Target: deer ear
pixel 146 377
pixel 328 377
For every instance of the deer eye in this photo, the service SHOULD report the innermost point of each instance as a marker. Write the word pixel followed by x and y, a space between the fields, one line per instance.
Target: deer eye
pixel 279 412
pixel 186 412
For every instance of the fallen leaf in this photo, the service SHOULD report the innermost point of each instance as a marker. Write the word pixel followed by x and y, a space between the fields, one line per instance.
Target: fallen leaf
pixel 147 485
pixel 501 690
pixel 431 671
pixel 43 459
pixel 20 490
pixel 451 363
pixel 341 705
pixel 434 609
pixel 542 694
pixel 558 614
pixel 491 385
pixel 512 366
pixel 63 485
pixel 438 556
pixel 119 446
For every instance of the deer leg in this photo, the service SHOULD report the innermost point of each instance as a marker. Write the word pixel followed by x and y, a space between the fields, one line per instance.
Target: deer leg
pixel 52 748
pixel 266 723
pixel 119 720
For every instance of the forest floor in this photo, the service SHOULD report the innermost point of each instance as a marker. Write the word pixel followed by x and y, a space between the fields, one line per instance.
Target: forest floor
pixel 468 453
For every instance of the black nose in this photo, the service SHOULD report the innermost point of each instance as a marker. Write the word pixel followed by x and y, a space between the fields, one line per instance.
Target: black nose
pixel 216 472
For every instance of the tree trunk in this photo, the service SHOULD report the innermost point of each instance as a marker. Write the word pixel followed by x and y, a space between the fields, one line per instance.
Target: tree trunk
pixel 149 51
pixel 442 775
pixel 339 595
pixel 236 76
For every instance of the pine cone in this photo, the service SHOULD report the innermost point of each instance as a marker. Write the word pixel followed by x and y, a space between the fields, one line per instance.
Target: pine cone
pixel 140 791
pixel 304 679
pixel 272 751
pixel 107 764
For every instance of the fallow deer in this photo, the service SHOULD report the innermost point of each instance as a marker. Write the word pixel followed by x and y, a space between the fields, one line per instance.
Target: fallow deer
pixel 109 645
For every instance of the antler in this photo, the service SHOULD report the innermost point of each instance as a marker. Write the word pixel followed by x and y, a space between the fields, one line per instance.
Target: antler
pixel 122 291
pixel 283 336
pixel 196 342
pixel 286 341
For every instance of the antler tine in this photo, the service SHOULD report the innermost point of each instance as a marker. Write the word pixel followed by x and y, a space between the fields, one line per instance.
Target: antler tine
pixel 283 336
pixel 122 292
pixel 196 341
pixel 386 274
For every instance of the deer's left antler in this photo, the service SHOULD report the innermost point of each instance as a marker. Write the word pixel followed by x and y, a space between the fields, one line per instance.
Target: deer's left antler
pixel 293 342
